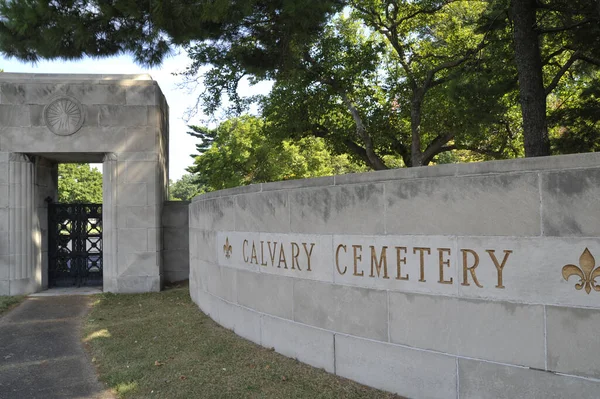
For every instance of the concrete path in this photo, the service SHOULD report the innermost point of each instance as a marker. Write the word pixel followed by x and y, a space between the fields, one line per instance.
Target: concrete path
pixel 41 355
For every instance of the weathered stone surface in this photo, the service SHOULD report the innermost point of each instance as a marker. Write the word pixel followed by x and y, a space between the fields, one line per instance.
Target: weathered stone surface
pixel 482 380
pixel 352 310
pixel 308 345
pixel 270 211
pixel 242 321
pixel 480 205
pixel 570 202
pixel 470 328
pixel 337 209
pixel 573 342
pixel 266 293
pixel 409 372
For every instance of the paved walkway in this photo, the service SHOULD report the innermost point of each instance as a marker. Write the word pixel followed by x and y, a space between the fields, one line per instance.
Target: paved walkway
pixel 41 355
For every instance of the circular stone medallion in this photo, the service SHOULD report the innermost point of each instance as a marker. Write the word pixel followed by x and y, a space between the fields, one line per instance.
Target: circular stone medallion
pixel 64 116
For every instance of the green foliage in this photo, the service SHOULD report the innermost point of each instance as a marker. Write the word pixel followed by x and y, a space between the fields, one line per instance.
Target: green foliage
pixel 79 183
pixel 238 153
pixel 265 33
pixel 183 189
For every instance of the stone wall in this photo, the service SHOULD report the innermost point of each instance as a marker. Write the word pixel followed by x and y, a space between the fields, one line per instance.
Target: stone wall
pixel 436 282
pixel 176 241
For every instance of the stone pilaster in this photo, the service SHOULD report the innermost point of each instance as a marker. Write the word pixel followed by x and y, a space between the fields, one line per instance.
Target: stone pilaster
pixel 109 222
pixel 21 225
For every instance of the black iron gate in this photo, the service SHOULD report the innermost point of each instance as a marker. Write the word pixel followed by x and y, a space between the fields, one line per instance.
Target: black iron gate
pixel 74 245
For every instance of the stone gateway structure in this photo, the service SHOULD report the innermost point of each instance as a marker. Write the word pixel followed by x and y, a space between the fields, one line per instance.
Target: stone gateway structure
pixel 455 281
pixel 119 120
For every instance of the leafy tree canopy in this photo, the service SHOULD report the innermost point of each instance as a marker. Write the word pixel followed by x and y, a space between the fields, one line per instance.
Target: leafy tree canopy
pixel 183 189
pixel 238 153
pixel 79 183
pixel 268 31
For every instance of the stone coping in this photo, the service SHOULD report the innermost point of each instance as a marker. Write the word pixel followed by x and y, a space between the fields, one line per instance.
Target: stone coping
pixel 76 78
pixel 556 162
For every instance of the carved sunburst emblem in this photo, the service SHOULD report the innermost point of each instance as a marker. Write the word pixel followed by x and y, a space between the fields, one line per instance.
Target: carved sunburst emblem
pixel 227 248
pixel 586 271
pixel 64 116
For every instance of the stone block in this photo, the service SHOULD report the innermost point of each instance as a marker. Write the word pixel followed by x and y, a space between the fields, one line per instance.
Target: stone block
pixel 4 197
pixel 351 310
pixel 573 342
pixel 299 183
pixel 142 139
pixel 14 116
pixel 4 287
pixel 138 264
pixel 309 345
pixel 143 95
pixel 242 321
pixel 202 245
pixel 266 293
pixel 408 372
pixel 176 238
pixel 175 214
pixel 141 172
pixel 355 209
pixel 173 276
pixel 267 212
pixel 532 272
pixel 132 240
pixel 482 380
pixel 137 216
pixel 570 205
pixel 12 93
pixel 4 266
pixel 137 284
pixel 478 205
pixel 498 331
pixel 213 214
pixel 175 260
pixel 132 194
pixel 123 116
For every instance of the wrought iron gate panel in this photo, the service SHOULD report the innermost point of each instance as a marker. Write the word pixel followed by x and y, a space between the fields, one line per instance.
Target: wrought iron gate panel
pixel 74 245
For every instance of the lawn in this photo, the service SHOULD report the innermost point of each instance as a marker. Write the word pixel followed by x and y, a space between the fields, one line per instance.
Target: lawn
pixel 9 302
pixel 161 345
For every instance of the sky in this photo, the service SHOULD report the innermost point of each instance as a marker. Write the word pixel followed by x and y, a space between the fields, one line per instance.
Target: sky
pixel 182 145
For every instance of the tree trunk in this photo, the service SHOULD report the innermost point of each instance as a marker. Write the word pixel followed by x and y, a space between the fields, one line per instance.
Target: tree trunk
pixel 415 127
pixel 531 85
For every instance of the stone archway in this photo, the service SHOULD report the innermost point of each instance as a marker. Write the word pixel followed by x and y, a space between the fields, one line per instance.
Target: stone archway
pixel 120 120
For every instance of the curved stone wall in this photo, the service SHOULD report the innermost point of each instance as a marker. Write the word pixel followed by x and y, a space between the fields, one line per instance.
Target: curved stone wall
pixel 470 281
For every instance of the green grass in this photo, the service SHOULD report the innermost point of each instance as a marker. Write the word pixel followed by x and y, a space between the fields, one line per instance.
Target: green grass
pixel 9 302
pixel 161 345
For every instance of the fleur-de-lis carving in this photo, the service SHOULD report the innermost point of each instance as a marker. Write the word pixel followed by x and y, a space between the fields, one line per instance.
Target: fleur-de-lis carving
pixel 586 271
pixel 227 248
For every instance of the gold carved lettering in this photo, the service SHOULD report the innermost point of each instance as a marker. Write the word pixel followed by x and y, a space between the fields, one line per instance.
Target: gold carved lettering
pixel 295 253
pixel 272 252
pixel 244 251
pixel 262 254
pixel 377 265
pixel 399 261
pixel 443 263
pixel 337 259
pixel 308 253
pixel 471 269
pixel 499 266
pixel 282 258
pixel 253 256
pixel 357 257
pixel 422 260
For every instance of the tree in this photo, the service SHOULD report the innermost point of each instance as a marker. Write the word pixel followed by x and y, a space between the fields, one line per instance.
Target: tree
pixel 269 32
pixel 79 183
pixel 354 90
pixel 238 153
pixel 183 189
pixel 567 32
